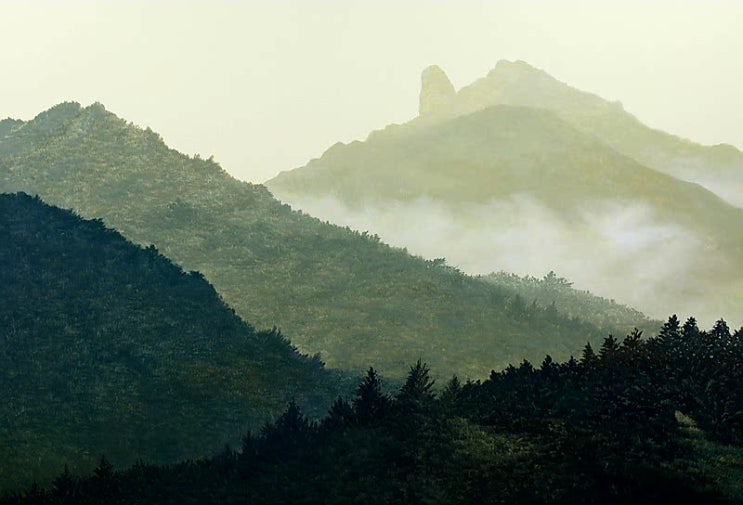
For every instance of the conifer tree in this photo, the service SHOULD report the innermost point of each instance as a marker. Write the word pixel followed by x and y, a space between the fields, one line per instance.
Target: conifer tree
pixel 340 415
pixel 608 351
pixel 451 393
pixel 588 357
pixel 417 392
pixel 370 404
pixel 63 487
pixel 670 331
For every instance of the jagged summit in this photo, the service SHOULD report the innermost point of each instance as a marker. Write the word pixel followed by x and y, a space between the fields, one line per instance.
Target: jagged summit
pixel 59 116
pixel 52 118
pixel 517 67
pixel 508 79
pixel 437 90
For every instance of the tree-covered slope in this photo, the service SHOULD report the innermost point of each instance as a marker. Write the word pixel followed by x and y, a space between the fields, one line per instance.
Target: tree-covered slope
pixel 334 291
pixel 106 347
pixel 625 424
pixel 552 291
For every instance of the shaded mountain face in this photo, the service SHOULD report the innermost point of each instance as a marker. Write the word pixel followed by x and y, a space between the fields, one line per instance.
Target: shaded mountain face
pixel 525 190
pixel 109 348
pixel 341 293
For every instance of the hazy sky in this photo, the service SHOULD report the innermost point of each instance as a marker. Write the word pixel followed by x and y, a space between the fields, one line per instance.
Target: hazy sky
pixel 265 86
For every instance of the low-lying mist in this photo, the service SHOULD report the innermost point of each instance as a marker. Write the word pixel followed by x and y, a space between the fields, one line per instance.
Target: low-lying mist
pixel 617 250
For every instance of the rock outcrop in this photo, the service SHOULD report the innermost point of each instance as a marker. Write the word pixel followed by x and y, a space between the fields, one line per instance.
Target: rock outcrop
pixel 436 91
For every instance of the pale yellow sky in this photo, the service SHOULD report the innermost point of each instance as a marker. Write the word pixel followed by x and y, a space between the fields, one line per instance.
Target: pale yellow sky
pixel 265 86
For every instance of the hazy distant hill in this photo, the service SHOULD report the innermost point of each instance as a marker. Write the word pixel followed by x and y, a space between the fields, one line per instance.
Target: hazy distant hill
pixel 106 347
pixel 344 294
pixel 522 189
pixel 718 168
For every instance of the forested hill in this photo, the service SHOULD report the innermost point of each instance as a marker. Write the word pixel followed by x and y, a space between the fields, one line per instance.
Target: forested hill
pixel 637 421
pixel 106 347
pixel 334 291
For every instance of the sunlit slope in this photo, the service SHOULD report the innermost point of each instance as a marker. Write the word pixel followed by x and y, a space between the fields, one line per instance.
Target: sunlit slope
pixel 344 294
pixel 719 168
pixel 109 348
pixel 519 189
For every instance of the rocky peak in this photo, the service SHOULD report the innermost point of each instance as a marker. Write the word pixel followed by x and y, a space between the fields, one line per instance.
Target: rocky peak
pixel 436 91
pixel 516 73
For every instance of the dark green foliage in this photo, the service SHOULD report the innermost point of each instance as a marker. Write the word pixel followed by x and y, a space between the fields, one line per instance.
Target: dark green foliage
pixel 339 293
pixel 371 404
pixel 416 393
pixel 564 433
pixel 106 347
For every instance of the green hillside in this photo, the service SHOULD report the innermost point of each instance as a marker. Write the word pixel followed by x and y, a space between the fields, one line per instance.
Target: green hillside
pixel 106 347
pixel 341 293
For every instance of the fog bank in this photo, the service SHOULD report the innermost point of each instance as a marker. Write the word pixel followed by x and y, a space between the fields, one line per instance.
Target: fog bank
pixel 618 250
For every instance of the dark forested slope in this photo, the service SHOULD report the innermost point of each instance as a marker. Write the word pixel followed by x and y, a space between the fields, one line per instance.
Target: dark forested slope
pixel 106 347
pixel 625 424
pixel 341 293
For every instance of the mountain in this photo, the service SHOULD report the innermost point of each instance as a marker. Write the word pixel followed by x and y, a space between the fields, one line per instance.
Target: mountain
pixel 497 186
pixel 340 293
pixel 109 348
pixel 718 168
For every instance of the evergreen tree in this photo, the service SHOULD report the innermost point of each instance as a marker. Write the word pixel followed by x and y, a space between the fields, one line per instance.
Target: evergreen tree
pixel 670 332
pixel 63 487
pixel 608 351
pixel 103 481
pixel 291 426
pixel 417 391
pixel 370 404
pixel 340 415
pixel 690 330
pixel 451 394
pixel 588 356
pixel 105 470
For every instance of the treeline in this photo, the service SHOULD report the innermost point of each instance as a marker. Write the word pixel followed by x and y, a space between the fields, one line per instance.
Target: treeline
pixel 552 294
pixel 603 428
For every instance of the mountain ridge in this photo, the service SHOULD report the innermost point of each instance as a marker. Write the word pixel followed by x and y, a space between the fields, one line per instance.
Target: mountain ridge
pixel 716 167
pixel 343 294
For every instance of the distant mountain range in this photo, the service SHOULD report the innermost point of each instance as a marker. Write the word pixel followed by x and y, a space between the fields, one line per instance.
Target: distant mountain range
pixel 718 168
pixel 522 173
pixel 333 291
pixel 109 348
